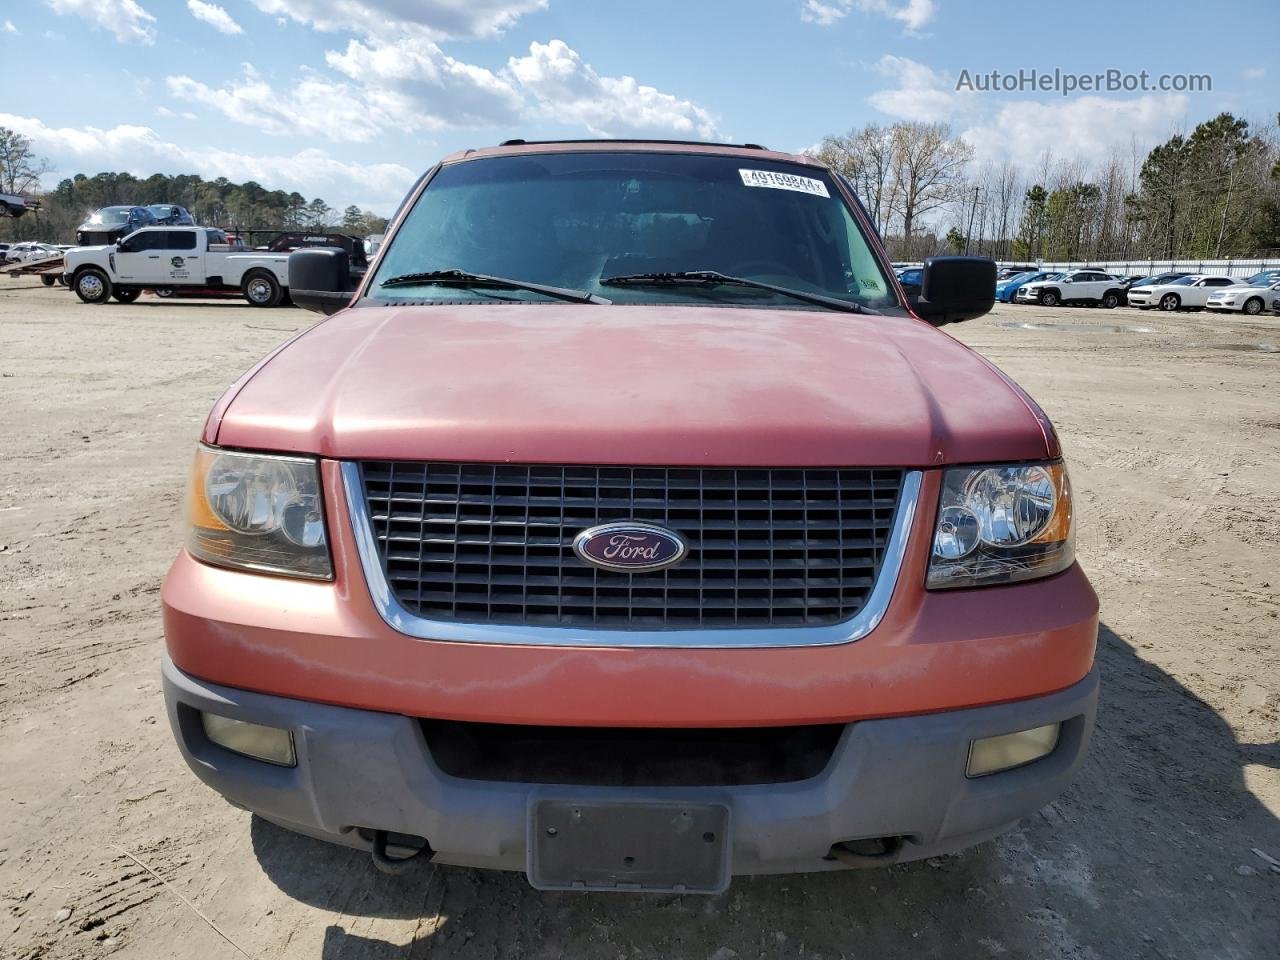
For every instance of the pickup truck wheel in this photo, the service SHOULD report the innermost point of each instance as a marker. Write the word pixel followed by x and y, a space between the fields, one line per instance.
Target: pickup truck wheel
pixel 1253 306
pixel 1049 298
pixel 126 296
pixel 1111 299
pixel 1170 301
pixel 262 289
pixel 92 285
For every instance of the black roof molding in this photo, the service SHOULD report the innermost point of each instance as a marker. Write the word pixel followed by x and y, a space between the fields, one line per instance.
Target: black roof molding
pixel 684 143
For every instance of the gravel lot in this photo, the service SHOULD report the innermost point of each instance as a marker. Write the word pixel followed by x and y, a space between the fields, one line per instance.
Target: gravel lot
pixel 109 846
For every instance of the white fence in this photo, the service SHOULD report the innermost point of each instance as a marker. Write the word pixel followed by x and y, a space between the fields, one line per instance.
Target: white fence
pixel 1145 268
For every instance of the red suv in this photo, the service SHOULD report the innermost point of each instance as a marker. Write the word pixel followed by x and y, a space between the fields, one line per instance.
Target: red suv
pixel 628 526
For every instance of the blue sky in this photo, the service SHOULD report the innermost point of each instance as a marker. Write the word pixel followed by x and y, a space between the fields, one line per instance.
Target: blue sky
pixel 351 99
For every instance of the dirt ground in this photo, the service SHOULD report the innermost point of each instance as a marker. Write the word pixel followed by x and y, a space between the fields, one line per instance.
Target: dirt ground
pixel 109 846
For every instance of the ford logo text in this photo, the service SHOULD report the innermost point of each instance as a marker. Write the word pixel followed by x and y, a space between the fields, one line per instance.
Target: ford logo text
pixel 630 547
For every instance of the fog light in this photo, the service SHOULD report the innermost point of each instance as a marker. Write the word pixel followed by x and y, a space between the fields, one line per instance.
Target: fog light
pixel 993 754
pixel 250 739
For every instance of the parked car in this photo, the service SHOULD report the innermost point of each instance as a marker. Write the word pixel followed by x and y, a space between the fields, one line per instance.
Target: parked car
pixel 1074 286
pixel 1244 297
pixel 1157 280
pixel 1126 283
pixel 16 205
pixel 112 223
pixel 615 556
pixel 1008 289
pixel 911 278
pixel 28 250
pixel 174 258
pixel 1008 272
pixel 1185 293
pixel 1262 279
pixel 168 214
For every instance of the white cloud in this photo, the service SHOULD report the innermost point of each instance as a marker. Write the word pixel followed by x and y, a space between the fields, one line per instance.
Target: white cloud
pixel 1086 128
pixel 1255 73
pixel 566 89
pixel 414 83
pixel 912 14
pixel 215 16
pixel 433 18
pixel 823 14
pixel 313 107
pixel 139 150
pixel 921 93
pixel 124 18
pixel 9 27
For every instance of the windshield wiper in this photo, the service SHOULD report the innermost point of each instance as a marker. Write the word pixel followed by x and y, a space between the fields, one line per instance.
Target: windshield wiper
pixel 714 278
pixel 461 278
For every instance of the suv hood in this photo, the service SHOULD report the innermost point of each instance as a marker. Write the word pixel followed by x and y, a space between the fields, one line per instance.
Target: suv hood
pixel 658 385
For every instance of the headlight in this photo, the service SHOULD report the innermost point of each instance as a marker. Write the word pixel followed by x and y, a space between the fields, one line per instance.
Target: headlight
pixel 1002 524
pixel 257 512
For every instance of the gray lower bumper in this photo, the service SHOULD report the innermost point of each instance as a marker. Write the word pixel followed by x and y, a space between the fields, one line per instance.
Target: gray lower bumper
pixel 896 777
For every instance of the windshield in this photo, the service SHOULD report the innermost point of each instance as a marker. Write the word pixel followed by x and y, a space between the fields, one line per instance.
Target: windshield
pixel 109 216
pixel 1265 278
pixel 570 220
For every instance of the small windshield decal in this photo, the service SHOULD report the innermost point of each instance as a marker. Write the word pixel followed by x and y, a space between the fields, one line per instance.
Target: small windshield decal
pixel 783 181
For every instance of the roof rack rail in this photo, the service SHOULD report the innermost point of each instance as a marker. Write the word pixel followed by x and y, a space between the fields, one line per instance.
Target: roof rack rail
pixel 684 143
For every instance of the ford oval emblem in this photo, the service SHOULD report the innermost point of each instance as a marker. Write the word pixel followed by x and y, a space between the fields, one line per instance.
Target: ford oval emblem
pixel 630 547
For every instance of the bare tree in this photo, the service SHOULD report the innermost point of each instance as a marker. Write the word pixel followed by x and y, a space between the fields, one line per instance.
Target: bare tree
pixel 865 158
pixel 20 169
pixel 1007 192
pixel 929 166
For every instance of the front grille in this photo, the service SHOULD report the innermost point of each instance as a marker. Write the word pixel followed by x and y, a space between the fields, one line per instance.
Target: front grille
pixel 486 543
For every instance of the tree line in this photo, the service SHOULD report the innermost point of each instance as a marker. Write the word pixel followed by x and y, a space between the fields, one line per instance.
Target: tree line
pixel 1211 194
pixel 213 203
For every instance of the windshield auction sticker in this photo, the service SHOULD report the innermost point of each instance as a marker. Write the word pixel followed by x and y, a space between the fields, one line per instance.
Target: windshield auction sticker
pixel 783 181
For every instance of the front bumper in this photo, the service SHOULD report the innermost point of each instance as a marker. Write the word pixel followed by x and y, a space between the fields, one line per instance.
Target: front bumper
pixel 894 777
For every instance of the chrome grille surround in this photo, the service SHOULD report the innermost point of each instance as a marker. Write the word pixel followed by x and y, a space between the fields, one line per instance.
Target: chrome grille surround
pixel 893 496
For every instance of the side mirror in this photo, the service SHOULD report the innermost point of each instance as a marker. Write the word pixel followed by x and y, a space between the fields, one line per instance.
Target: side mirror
pixel 320 279
pixel 956 288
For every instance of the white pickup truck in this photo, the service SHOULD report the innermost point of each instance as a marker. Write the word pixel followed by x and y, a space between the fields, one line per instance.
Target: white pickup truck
pixel 167 258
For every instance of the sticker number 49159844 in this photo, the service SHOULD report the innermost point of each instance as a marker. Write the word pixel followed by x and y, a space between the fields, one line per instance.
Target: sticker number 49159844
pixel 783 181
